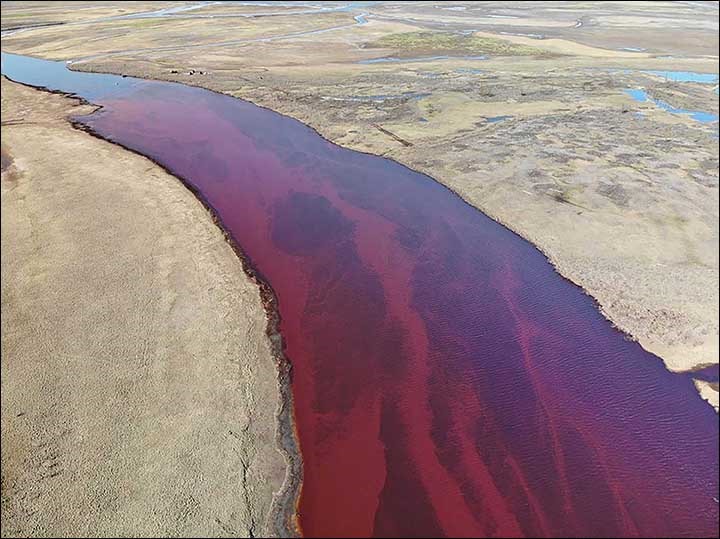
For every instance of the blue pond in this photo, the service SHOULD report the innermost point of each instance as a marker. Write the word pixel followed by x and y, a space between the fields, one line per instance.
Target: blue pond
pixel 686 76
pixel 495 119
pixel 699 116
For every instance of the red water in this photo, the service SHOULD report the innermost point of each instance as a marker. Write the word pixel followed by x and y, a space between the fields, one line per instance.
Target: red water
pixel 447 381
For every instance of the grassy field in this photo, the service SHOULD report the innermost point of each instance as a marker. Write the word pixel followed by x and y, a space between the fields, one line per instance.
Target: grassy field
pixel 452 43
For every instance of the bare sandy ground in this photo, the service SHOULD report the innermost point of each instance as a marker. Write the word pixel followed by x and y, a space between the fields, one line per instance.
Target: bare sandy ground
pixel 139 392
pixel 709 392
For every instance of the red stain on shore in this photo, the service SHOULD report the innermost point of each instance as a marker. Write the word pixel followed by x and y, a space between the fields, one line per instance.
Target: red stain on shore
pixel 447 381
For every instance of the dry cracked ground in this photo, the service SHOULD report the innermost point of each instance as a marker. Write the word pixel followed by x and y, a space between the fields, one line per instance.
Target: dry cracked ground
pixel 557 119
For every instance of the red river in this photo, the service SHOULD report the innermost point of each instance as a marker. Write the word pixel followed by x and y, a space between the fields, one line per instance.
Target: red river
pixel 446 380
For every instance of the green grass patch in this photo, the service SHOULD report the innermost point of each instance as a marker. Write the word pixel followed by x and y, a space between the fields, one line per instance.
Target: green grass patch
pixel 447 42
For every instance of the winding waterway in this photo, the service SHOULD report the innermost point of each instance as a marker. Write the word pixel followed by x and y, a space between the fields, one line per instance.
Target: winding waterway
pixel 446 380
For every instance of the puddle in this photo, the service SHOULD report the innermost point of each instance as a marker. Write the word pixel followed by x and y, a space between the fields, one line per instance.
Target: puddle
pixel 496 119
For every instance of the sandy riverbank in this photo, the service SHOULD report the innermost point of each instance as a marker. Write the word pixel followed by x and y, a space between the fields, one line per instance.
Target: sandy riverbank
pixel 139 389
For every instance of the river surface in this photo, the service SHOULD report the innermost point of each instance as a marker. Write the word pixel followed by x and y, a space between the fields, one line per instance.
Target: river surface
pixel 447 381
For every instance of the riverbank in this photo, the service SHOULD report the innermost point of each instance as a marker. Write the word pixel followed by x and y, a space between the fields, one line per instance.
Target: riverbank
pixel 139 387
